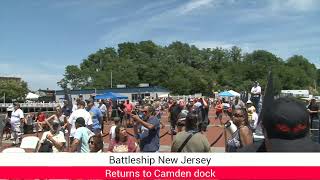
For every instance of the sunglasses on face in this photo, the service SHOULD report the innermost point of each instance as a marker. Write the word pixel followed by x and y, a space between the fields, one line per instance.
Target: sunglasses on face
pixel 238 115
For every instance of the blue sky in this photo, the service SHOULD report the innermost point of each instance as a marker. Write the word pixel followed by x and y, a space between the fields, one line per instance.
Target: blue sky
pixel 39 38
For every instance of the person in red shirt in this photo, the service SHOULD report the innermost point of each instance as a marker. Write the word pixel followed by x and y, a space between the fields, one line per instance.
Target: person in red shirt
pixel 41 117
pixel 128 109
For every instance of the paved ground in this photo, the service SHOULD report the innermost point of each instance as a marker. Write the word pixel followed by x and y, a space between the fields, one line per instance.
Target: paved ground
pixel 215 135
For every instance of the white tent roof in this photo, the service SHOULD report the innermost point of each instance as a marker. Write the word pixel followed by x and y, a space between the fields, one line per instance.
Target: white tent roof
pixel 234 93
pixel 163 95
pixel 32 96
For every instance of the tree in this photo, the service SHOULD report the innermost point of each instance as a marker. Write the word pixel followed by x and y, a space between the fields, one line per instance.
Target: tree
pixel 73 77
pixel 13 90
pixel 185 69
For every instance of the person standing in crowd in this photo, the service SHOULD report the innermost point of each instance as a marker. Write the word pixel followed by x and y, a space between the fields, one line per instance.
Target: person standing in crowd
pixel 219 110
pixel 114 109
pixel 7 131
pixel 181 123
pixel 190 140
pixel 112 133
pixel 66 111
pixel 109 109
pixel 96 143
pixel 103 109
pixel 75 105
pixel 29 122
pixel 174 111
pixel 243 135
pixel 81 98
pixel 81 137
pixel 250 107
pixel 226 107
pixel 238 103
pixel 253 118
pixel 205 115
pixel 17 118
pixel 96 116
pixel 286 129
pixel 148 131
pixel 122 142
pixel 128 107
pixel 80 112
pixel 313 110
pixel 55 137
pixel 121 113
pixel 256 95
pixel 158 108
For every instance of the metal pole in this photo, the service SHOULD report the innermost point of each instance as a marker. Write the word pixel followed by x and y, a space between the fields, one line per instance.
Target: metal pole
pixel 111 78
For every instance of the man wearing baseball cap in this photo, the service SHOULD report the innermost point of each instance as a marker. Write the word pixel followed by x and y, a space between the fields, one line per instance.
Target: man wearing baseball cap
pixel 286 128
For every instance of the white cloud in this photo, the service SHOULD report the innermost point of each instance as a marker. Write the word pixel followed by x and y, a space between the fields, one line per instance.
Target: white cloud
pixel 296 5
pixel 276 10
pixel 194 4
pixel 211 44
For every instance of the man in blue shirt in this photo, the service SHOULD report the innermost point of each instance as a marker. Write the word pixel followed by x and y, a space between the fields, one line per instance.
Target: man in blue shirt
pixel 96 116
pixel 149 129
pixel 81 137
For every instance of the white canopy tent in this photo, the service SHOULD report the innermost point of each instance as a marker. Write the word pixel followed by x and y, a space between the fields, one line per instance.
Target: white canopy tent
pixel 234 93
pixel 32 96
pixel 163 95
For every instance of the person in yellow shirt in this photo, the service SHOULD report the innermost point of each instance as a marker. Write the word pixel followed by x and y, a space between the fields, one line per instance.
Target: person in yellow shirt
pixel 250 110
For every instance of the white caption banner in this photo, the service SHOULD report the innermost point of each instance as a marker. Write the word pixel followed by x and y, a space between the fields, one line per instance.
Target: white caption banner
pixel 160 159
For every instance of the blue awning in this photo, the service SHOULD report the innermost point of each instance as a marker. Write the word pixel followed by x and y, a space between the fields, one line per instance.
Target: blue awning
pixel 226 94
pixel 111 95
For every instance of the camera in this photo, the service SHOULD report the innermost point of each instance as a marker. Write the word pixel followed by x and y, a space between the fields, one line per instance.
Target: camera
pixel 230 126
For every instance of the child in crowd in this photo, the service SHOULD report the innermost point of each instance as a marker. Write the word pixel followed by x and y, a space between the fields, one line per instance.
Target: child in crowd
pixel 116 122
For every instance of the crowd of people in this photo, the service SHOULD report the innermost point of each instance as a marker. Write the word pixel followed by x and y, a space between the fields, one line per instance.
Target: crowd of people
pixel 80 127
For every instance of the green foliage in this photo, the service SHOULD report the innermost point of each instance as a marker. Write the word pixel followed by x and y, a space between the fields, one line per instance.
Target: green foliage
pixel 13 90
pixel 185 69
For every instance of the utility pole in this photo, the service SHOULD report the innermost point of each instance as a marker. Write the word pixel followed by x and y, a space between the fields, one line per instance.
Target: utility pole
pixel 111 78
